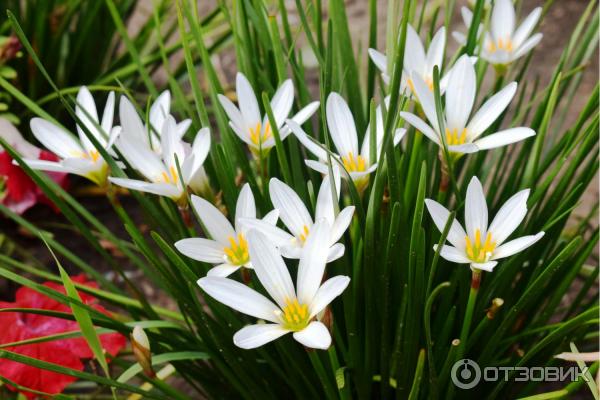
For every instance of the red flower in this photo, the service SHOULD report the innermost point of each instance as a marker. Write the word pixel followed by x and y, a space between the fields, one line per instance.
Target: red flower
pixel 20 192
pixel 18 326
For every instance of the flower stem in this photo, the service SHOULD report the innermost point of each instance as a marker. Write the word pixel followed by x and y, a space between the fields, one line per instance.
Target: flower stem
pixel 464 332
pixel 322 374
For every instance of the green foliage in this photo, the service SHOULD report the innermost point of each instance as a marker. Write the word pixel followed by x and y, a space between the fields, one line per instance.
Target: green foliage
pixel 396 327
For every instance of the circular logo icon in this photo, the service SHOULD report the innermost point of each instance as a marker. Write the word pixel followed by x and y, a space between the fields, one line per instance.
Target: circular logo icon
pixel 465 374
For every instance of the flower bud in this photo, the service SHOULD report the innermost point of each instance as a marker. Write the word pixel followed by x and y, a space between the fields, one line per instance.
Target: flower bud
pixel 496 304
pixel 141 350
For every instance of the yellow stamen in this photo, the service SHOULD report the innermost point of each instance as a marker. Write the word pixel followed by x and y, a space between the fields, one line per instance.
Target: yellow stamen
pixel 354 164
pixel 501 44
pixel 453 138
pixel 237 252
pixel 170 177
pixel 295 315
pixel 258 135
pixel 476 250
pixel 304 234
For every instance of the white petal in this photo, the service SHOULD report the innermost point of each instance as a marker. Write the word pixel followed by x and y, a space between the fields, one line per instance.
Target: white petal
pixel 341 223
pixel 160 189
pixel 55 138
pixel 223 270
pixel 306 141
pixel 516 245
pixel 270 268
pixel 182 127
pixel 233 113
pixel 414 54
pixel 83 166
pixel 200 148
pixel 253 336
pixel 160 110
pixel 247 101
pixel 526 27
pixel 341 125
pixel 459 37
pixel 399 135
pixel 141 157
pixel 325 201
pixel 528 45
pixel 504 137
pixel 435 53
pixel 292 210
pixel 379 59
pixel 271 217
pixel 476 211
pixel 315 336
pixel 85 109
pixel 336 251
pixel 452 254
pixel 320 167
pixel 440 215
pixel 330 289
pixel 109 114
pixel 282 101
pixel 130 121
pixel 488 266
pixel 509 217
pixel 503 19
pixel 426 99
pixel 421 126
pixel 245 206
pixel 301 117
pixel 51 166
pixel 239 297
pixel 171 146
pixel 490 110
pixel 277 236
pixel 466 148
pixel 312 263
pixel 466 15
pixel 460 93
pixel 201 249
pixel 215 223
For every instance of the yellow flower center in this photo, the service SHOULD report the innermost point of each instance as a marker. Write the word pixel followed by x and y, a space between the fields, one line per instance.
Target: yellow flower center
pixel 304 234
pixel 259 135
pixel 237 252
pixel 294 316
pixel 453 138
pixel 428 81
pixel 505 45
pixel 354 164
pixel 477 251
pixel 171 177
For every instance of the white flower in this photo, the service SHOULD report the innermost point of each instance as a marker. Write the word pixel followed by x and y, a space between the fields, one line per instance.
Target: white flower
pixel 343 133
pixel 416 60
pixel 294 310
pixel 298 221
pixel 150 134
pixel 481 245
pixel 247 123
pixel 503 44
pixel 161 170
pixel 461 132
pixel 228 247
pixel 78 157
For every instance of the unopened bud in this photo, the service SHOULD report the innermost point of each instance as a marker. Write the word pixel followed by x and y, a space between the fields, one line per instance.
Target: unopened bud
pixel 141 350
pixel 496 304
pixel 326 317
